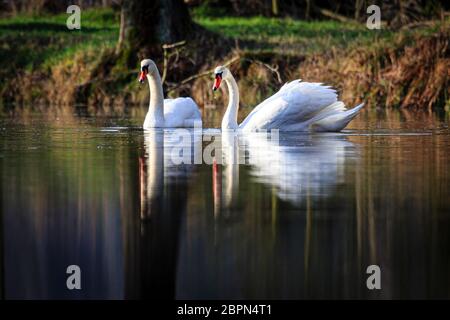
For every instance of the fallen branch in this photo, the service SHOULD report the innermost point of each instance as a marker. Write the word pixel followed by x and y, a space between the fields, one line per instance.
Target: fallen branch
pixel 174 45
pixel 273 69
pixel 202 74
pixel 335 16
pixel 418 24
pixel 233 60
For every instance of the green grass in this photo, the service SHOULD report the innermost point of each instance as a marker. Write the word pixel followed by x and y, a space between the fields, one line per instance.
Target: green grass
pixel 294 37
pixel 30 42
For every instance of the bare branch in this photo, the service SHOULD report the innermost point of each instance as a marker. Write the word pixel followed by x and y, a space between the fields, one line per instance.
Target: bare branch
pixel 335 16
pixel 273 69
pixel 200 75
pixel 166 48
pixel 174 45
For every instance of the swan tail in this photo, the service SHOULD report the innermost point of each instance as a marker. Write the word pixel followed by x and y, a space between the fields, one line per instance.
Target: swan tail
pixel 338 118
pixel 337 107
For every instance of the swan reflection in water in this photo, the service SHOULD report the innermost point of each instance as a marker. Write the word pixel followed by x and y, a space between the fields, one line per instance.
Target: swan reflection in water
pixel 164 174
pixel 170 157
pixel 254 246
pixel 294 165
pixel 226 183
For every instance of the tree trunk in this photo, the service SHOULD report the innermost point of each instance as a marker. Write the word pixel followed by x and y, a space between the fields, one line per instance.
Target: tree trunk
pixel 275 7
pixel 147 24
pixel 308 9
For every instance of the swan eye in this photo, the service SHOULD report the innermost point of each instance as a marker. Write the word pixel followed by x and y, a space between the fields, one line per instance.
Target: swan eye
pixel 144 68
pixel 219 75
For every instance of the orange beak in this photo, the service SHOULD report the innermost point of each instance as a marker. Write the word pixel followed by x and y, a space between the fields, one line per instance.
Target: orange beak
pixel 217 82
pixel 142 76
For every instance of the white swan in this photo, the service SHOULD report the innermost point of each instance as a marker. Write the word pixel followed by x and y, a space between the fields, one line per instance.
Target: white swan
pixel 166 113
pixel 297 106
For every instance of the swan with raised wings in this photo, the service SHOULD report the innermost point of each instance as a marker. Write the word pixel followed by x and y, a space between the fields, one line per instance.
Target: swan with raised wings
pixel 166 113
pixel 297 106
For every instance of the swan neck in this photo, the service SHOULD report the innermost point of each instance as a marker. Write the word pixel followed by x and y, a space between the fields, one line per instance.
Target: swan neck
pixel 230 117
pixel 155 114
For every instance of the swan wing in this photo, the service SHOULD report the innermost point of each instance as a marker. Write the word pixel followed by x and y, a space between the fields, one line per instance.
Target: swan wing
pixel 181 112
pixel 294 103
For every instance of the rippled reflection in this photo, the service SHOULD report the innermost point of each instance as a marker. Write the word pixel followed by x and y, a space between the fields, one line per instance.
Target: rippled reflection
pixel 164 184
pixel 169 158
pixel 293 165
pixel 300 165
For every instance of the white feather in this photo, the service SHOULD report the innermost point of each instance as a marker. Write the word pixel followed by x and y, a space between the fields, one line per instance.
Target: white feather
pixel 299 106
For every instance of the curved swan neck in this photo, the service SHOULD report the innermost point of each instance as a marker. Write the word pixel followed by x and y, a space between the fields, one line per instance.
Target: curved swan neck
pixel 229 120
pixel 155 114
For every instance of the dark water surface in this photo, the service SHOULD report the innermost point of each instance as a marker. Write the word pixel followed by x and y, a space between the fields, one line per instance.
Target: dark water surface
pixel 302 218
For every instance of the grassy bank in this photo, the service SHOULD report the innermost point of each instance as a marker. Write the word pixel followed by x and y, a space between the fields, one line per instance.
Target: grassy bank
pixel 33 48
pixel 292 37
pixel 41 61
pixel 385 68
pixel 39 42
